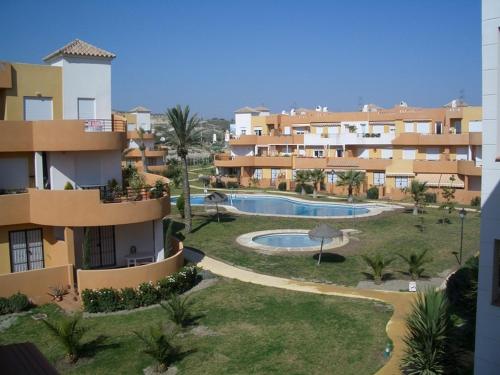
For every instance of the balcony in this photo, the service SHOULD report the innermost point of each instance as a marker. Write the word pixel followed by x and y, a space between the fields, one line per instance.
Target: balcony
pixel 357 163
pixel 134 134
pixel 224 160
pixel 416 139
pixel 349 139
pixel 150 153
pixel 61 135
pixel 80 208
pixel 310 163
pixel 246 140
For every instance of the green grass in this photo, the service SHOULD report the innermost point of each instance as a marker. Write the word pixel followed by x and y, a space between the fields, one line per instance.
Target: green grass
pixel 258 330
pixel 389 234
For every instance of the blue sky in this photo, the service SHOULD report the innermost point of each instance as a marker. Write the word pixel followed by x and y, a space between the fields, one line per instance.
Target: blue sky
pixel 217 56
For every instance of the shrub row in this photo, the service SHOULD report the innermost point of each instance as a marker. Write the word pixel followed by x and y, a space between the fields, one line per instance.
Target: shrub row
pixel 110 299
pixel 15 303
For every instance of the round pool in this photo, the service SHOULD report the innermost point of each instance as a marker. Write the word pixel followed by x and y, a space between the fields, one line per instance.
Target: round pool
pixel 288 241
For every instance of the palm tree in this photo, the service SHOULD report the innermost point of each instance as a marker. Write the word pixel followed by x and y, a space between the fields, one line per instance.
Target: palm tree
pixel 417 191
pixel 302 178
pixel 179 310
pixel 69 332
pixel 184 135
pixel 317 177
pixel 378 265
pixel 351 179
pixel 428 338
pixel 158 346
pixel 415 263
pixel 142 148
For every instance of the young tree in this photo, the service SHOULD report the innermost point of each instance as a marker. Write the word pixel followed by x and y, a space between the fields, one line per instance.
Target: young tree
pixel 69 332
pixel 317 176
pixel 449 204
pixel 351 179
pixel 179 310
pixel 416 263
pixel 378 265
pixel 158 346
pixel 417 191
pixel 185 134
pixel 302 178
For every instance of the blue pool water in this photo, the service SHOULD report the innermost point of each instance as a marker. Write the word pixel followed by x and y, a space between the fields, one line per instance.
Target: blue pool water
pixel 288 240
pixel 283 206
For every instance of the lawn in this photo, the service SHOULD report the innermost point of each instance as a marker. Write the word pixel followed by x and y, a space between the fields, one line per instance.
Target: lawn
pixel 389 234
pixel 253 330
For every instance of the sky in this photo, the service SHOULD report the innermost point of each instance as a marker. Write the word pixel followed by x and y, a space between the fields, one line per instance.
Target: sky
pixel 217 56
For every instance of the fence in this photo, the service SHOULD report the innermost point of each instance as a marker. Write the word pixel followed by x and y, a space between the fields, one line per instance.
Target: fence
pixel 105 125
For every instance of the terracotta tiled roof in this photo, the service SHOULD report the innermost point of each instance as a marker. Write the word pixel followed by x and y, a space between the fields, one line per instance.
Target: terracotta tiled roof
pixel 245 110
pixel 139 109
pixel 80 48
pixel 262 109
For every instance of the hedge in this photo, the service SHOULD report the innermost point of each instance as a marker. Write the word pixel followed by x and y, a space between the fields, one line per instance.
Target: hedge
pixel 146 294
pixel 372 193
pixel 15 303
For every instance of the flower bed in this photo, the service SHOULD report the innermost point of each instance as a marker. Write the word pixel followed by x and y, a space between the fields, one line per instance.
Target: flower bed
pixel 110 299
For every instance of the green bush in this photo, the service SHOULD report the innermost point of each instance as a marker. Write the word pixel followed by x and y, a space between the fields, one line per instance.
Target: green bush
pixel 308 188
pixel 282 186
pixel 372 193
pixel 68 186
pixel 218 184
pixel 475 202
pixel 232 185
pixel 430 198
pixel 109 299
pixel 15 303
pixel 4 306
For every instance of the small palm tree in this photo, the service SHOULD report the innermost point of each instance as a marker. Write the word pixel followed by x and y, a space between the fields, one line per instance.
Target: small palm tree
pixel 142 148
pixel 317 176
pixel 185 134
pixel 158 345
pixel 302 178
pixel 179 310
pixel 415 263
pixel 417 191
pixel 351 179
pixel 378 265
pixel 69 332
pixel 428 338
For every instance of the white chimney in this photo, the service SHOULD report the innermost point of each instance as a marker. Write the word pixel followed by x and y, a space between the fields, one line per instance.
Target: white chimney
pixel 325 109
pixel 292 112
pixel 318 108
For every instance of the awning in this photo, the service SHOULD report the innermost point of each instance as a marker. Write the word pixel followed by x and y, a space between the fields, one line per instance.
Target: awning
pixel 400 168
pixel 440 180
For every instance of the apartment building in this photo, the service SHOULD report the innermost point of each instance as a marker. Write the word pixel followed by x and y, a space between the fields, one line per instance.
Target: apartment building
pixel 60 150
pixel 140 118
pixel 487 360
pixel 392 146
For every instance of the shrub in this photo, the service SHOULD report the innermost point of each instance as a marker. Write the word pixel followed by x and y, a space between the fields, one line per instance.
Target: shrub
pixel 308 188
pixel 378 265
pixel 108 299
pixel 179 203
pixel 69 332
pixel 218 184
pixel 68 186
pixel 18 302
pixel 232 185
pixel 4 306
pixel 430 198
pixel 372 193
pixel 158 346
pixel 179 310
pixel 475 202
pixel 282 186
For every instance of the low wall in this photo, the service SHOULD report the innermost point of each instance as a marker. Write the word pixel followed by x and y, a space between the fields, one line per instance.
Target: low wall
pixel 131 276
pixel 35 284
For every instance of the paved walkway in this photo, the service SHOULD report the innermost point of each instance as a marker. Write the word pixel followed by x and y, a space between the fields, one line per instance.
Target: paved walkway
pixel 401 302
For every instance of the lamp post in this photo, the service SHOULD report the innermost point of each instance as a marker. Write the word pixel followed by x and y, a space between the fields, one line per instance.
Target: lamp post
pixel 462 215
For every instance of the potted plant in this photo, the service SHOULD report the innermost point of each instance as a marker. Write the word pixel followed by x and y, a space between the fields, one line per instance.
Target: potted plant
pixel 57 292
pixel 136 185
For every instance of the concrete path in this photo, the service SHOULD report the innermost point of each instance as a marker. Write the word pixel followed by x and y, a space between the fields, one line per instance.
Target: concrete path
pixel 401 302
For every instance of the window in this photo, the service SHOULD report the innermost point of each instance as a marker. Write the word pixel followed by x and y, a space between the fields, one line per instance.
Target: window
pixel 332 178
pixel 475 126
pixel 258 132
pixel 26 250
pixel 401 182
pixel 457 125
pixel 439 127
pixel 423 127
pixel 274 174
pixel 386 153
pixel 432 153
pixel 318 153
pixel 37 108
pixel 378 178
pixel 86 108
pixel 294 174
pixel 378 129
pixel 409 154
pixel 257 173
pixel 340 152
pixel 409 127
pixel 363 153
pixel 462 153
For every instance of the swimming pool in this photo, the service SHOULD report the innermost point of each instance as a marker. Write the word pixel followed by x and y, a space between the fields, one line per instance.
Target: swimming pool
pixel 289 240
pixel 283 206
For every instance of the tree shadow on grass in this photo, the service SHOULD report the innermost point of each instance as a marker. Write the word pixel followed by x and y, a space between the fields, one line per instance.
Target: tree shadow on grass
pixel 92 347
pixel 330 258
pixel 385 277
pixel 407 274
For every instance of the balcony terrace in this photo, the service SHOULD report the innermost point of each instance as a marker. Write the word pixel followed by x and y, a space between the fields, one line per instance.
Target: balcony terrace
pixel 416 139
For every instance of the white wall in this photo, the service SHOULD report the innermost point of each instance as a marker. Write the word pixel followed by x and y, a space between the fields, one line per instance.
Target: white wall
pixel 83 168
pixel 243 121
pixel 139 235
pixel 487 360
pixel 143 120
pixel 14 173
pixel 85 78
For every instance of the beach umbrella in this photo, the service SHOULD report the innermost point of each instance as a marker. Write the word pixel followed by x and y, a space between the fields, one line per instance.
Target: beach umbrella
pixel 215 198
pixel 322 232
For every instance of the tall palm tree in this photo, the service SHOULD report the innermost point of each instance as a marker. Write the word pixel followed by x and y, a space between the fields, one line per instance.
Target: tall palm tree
pixel 351 179
pixel 185 134
pixel 142 148
pixel 302 178
pixel 416 263
pixel 428 339
pixel 317 177
pixel 417 191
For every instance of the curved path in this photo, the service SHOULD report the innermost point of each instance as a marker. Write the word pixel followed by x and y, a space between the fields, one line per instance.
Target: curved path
pixel 401 302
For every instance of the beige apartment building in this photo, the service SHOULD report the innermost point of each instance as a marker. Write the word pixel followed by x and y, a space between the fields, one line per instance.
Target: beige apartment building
pixel 391 146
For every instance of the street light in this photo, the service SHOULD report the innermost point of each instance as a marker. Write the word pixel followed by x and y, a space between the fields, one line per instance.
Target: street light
pixel 462 213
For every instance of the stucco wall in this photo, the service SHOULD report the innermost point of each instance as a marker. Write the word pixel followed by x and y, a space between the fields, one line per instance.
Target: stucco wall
pixel 243 121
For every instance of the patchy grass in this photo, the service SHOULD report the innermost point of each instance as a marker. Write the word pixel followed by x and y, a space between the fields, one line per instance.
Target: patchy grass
pixel 253 330
pixel 389 234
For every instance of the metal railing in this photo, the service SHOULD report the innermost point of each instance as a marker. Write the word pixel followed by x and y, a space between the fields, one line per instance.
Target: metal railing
pixel 105 125
pixel 118 195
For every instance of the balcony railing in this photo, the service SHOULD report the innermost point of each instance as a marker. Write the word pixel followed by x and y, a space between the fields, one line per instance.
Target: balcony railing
pixel 105 125
pixel 117 195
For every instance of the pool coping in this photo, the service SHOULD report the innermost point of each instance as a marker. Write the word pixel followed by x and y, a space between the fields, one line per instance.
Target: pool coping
pixel 373 208
pixel 247 241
